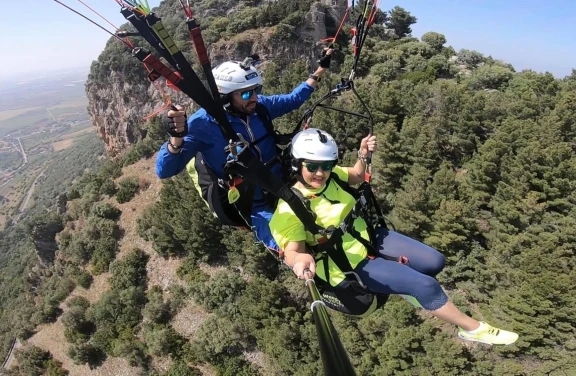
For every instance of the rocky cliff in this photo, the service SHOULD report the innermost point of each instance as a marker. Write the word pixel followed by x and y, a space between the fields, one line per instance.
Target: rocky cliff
pixel 44 238
pixel 120 95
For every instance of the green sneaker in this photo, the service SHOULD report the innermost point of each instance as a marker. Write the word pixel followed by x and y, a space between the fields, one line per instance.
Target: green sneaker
pixel 489 334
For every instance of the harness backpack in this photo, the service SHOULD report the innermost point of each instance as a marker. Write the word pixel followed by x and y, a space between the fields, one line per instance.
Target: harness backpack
pixel 214 190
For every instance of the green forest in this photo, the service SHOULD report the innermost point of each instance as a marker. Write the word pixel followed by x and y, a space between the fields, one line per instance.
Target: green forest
pixel 475 159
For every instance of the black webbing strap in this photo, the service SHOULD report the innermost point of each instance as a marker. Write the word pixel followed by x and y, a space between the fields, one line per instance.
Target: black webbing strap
pixel 140 24
pixel 192 86
pixel 279 138
pixel 252 170
pixel 266 119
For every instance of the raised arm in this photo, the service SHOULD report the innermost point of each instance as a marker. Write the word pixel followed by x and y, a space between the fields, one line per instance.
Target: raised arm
pixel 175 154
pixel 356 173
pixel 281 104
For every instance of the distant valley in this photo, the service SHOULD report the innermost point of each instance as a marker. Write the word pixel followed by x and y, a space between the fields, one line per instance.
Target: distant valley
pixel 39 117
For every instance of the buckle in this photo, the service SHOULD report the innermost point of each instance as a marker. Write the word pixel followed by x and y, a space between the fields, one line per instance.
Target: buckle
pixel 234 149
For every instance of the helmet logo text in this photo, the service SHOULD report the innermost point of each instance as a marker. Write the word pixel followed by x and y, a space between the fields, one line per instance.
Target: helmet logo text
pixel 251 76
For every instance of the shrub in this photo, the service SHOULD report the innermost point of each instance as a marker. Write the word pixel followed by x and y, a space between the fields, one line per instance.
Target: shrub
pixel 78 301
pixel 84 279
pixel 132 350
pixel 180 368
pixel 108 188
pixel 105 210
pixel 32 360
pixel 110 169
pixel 73 194
pixel 54 368
pixel 76 328
pixel 128 188
pixel 162 340
pixel 129 271
pixel 156 310
pixel 86 353
pixel 103 254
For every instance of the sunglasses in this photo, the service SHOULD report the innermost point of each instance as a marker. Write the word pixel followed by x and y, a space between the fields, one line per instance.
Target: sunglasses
pixel 248 93
pixel 313 167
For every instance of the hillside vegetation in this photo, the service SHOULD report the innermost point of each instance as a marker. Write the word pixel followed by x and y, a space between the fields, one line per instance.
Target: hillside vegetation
pixel 475 159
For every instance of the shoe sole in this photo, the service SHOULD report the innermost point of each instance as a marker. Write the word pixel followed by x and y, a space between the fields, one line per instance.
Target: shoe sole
pixel 487 343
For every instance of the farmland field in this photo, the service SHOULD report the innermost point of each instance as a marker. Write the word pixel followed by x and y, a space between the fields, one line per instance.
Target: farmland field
pixel 5 115
pixel 47 135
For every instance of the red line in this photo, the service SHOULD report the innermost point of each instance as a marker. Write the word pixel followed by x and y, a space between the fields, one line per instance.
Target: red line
pixel 187 10
pixel 333 39
pixel 109 23
pixel 166 105
pixel 374 10
pixel 101 16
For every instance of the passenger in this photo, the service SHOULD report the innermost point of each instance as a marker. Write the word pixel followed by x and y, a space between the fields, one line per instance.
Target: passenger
pixel 321 181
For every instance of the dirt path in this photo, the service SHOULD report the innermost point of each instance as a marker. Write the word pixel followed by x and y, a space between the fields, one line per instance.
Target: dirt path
pixel 23 151
pixel 10 358
pixel 29 195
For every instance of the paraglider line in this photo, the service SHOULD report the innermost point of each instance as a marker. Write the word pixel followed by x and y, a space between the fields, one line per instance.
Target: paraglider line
pixel 93 22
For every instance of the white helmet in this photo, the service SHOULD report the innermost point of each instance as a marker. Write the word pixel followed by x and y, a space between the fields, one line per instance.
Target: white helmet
pixel 236 75
pixel 315 145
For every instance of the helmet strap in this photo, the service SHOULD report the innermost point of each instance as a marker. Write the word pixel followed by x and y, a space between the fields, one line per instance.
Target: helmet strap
pixel 227 103
pixel 299 177
pixel 225 100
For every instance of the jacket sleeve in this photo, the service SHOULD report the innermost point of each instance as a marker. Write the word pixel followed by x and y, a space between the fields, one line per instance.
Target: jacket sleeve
pixel 168 164
pixel 280 105
pixel 285 226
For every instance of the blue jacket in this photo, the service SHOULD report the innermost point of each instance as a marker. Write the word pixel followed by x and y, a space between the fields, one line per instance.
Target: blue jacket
pixel 204 134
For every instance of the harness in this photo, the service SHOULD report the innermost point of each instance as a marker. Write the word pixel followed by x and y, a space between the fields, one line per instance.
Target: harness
pixel 215 190
pixel 330 244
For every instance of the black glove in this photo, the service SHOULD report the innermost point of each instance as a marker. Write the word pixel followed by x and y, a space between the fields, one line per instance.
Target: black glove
pixel 170 127
pixel 325 60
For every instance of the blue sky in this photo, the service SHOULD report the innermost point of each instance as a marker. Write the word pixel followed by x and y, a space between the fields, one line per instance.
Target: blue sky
pixel 540 35
pixel 44 35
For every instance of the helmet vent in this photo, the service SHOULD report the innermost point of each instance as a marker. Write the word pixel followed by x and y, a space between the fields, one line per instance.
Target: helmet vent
pixel 323 138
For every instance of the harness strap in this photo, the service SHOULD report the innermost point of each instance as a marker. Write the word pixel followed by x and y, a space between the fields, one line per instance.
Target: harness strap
pixel 266 119
pixel 252 169
pixel 333 246
pixel 264 115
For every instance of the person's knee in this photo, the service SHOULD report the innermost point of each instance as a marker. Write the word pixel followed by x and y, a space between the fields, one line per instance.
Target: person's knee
pixel 428 288
pixel 437 263
pixel 430 294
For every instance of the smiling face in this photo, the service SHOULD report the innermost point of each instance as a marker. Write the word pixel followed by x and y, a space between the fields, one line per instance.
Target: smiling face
pixel 245 100
pixel 316 173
